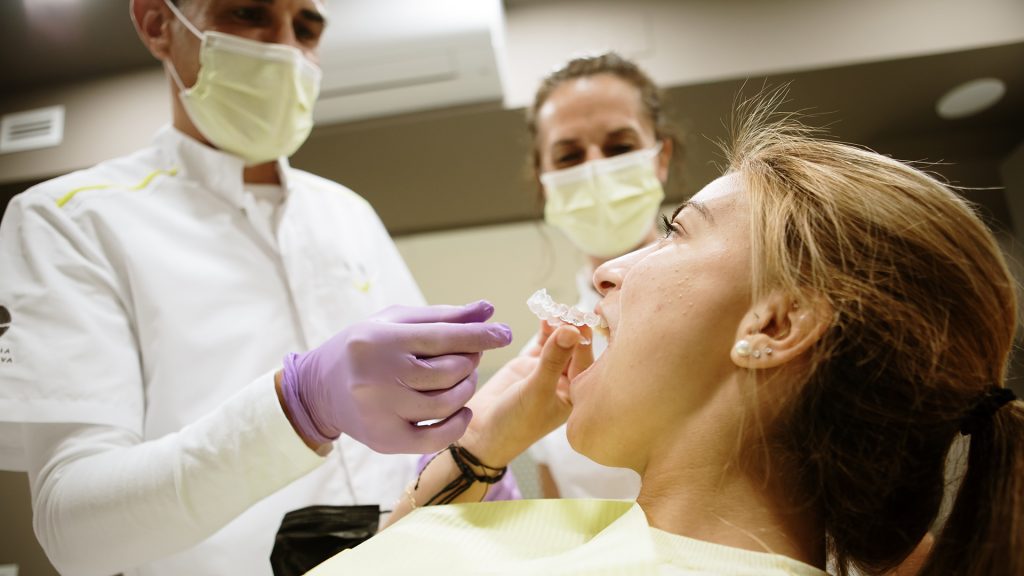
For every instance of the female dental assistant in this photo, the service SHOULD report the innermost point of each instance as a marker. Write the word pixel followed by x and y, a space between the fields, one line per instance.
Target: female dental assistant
pixel 156 392
pixel 601 151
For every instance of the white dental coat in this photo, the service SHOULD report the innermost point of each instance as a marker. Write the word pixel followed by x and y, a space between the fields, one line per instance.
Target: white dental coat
pixel 151 300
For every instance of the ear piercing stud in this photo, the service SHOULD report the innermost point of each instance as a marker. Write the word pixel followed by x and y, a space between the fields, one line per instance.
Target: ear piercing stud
pixel 743 349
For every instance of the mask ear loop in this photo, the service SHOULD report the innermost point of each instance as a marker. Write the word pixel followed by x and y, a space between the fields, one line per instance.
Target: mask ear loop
pixel 191 28
pixel 177 14
pixel 174 75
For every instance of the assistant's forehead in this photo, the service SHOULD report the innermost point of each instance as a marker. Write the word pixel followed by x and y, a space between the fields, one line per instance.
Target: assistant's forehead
pixel 596 91
pixel 597 101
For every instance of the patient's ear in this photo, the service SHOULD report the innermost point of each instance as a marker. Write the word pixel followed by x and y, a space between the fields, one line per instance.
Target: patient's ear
pixel 779 328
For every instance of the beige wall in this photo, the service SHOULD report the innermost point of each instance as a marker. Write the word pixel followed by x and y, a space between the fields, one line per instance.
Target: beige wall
pixel 104 118
pixel 504 264
pixel 1012 171
pixel 18 543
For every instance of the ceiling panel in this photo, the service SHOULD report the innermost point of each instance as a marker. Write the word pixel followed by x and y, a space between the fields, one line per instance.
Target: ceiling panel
pixel 49 42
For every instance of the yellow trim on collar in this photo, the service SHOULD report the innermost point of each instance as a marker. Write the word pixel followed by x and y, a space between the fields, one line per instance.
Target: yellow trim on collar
pixel 145 182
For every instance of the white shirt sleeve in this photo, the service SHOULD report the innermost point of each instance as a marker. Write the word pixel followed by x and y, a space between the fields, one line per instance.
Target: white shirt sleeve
pixel 69 308
pixel 105 501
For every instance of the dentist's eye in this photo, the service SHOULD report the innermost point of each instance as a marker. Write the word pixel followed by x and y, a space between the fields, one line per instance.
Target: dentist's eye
pixel 306 34
pixel 250 15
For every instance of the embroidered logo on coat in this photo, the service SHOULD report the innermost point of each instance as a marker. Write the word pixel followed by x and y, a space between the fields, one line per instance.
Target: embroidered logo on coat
pixel 5 323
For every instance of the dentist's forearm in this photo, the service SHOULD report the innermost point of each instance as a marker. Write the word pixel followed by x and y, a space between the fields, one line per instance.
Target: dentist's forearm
pixel 106 501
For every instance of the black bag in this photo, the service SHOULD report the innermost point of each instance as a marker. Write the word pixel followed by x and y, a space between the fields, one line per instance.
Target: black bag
pixel 310 535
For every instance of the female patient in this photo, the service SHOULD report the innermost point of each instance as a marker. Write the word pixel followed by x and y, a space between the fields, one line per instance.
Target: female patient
pixel 787 370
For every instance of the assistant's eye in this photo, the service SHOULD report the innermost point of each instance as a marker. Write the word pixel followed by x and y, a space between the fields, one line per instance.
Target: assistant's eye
pixel 616 149
pixel 568 159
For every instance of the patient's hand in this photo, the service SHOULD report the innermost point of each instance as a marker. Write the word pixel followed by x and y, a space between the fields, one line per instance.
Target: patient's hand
pixel 528 397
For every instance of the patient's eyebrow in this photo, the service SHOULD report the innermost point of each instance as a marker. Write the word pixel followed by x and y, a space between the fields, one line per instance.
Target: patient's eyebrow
pixel 700 207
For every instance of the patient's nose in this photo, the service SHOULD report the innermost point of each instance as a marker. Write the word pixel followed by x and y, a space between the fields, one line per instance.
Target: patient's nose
pixel 608 276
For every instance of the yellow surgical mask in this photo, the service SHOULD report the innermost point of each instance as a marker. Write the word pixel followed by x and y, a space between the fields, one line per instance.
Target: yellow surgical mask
pixel 252 99
pixel 606 207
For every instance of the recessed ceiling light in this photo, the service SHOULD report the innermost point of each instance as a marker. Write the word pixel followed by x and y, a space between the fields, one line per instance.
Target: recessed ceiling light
pixel 970 98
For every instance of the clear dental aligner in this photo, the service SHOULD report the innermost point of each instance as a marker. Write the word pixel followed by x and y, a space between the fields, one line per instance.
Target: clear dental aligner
pixel 545 307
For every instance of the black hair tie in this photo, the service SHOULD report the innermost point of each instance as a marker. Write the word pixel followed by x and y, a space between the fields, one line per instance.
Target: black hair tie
pixel 466 478
pixel 980 415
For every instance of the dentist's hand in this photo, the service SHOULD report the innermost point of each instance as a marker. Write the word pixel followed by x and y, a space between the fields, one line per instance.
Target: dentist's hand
pixel 377 378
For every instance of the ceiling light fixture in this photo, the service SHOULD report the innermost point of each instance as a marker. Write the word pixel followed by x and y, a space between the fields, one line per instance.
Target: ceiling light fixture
pixel 970 98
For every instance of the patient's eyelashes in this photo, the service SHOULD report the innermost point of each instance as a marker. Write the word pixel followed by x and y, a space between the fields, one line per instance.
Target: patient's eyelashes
pixel 670 228
pixel 665 225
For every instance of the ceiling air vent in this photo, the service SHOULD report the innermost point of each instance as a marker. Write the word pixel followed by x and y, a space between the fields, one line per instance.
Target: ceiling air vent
pixel 32 129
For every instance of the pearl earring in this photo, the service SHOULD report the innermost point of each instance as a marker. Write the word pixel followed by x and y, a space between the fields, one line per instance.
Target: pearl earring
pixel 742 348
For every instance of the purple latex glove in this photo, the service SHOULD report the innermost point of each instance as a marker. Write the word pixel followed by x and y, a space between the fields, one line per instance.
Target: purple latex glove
pixel 377 378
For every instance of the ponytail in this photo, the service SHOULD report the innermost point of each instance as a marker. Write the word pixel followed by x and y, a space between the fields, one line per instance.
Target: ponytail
pixel 924 318
pixel 984 534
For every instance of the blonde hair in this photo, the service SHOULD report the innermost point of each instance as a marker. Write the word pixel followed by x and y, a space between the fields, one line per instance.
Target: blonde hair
pixel 924 319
